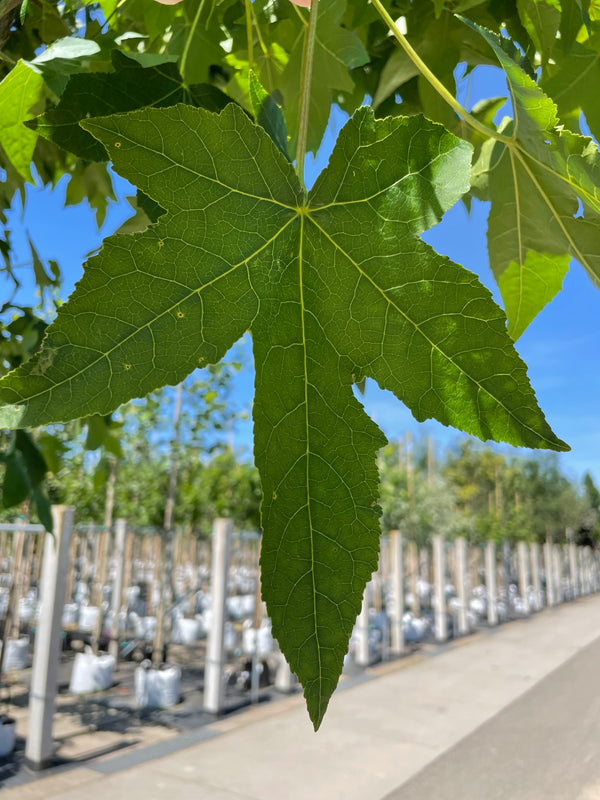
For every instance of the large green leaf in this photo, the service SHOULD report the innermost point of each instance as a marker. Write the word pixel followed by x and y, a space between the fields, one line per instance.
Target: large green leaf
pixel 19 91
pixel 332 288
pixel 536 176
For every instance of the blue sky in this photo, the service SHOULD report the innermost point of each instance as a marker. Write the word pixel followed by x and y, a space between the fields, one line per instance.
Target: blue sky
pixel 560 347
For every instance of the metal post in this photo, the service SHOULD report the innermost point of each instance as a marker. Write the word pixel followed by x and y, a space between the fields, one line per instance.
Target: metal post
pixel 460 546
pixel 549 571
pixel 491 583
pixel 215 653
pixel 506 575
pixel 587 570
pixel 413 567
pixel 361 656
pixel 44 676
pixel 439 580
pixel 396 610
pixel 522 554
pixel 558 573
pixel 535 576
pixel 582 577
pixel 117 589
pixel 573 564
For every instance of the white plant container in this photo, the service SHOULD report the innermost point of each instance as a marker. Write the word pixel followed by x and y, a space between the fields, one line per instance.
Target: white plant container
pixel 157 688
pixel 70 614
pixel 27 609
pixel 186 631
pixel 148 628
pixel 8 735
pixel 229 637
pixel 88 618
pixel 16 654
pixel 240 606
pixel 91 673
pixel 257 640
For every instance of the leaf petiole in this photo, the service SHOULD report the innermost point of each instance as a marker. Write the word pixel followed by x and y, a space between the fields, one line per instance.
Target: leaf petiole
pixel 188 41
pixel 305 84
pixel 249 33
pixel 434 81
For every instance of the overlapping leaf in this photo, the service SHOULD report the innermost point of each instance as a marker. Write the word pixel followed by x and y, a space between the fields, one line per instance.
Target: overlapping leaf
pixel 574 85
pixel 333 289
pixel 541 20
pixel 536 177
pixel 19 91
pixel 130 86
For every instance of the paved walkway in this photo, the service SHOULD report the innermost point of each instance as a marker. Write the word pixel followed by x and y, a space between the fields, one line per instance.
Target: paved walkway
pixel 544 746
pixel 445 711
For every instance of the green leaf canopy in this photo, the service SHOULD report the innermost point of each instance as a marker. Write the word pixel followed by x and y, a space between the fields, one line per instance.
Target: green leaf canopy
pixel 333 287
pixel 536 177
pixel 19 91
pixel 130 86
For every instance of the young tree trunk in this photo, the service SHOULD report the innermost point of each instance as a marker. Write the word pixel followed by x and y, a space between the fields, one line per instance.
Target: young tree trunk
pixel 166 586
pixel 71 570
pixel 100 580
pixel 128 566
pixel 16 587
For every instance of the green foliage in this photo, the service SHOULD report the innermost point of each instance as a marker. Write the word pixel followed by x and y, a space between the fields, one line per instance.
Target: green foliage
pixel 418 500
pixel 130 86
pixel 139 438
pixel 324 309
pixel 513 498
pixel 534 179
pixel 334 284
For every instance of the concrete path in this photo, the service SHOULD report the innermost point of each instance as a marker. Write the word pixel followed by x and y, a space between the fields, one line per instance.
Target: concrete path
pixel 380 734
pixel 544 746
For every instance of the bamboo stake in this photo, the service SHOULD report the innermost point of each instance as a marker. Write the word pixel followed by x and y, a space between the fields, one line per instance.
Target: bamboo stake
pixel 127 566
pixel 103 543
pixel 17 580
pixel 71 568
pixel 413 566
pixel 156 555
pixel 28 563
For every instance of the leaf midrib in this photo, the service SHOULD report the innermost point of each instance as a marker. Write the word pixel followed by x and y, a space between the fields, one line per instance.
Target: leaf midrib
pixel 307 454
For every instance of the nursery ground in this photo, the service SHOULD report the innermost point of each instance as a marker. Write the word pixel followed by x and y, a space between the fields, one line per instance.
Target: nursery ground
pixel 479 713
